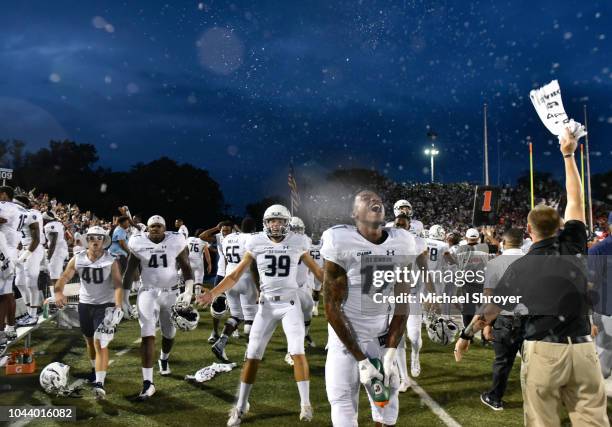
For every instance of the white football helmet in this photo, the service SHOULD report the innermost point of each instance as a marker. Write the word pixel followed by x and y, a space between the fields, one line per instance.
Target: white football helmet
pixel 276 212
pixel 218 307
pixel 96 230
pixel 441 330
pixel 54 378
pixel 184 317
pixel 297 225
pixel 436 232
pixel 402 207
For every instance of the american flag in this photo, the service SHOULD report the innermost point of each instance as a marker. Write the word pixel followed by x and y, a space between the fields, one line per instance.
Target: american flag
pixel 295 196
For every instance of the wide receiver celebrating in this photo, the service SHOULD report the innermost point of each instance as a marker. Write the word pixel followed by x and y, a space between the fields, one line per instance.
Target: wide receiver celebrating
pixel 100 285
pixel 276 252
pixel 359 331
pixel 158 253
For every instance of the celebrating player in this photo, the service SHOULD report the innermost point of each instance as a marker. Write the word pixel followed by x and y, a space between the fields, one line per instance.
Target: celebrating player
pixel 158 252
pixel 277 252
pixel 242 297
pixel 57 250
pixel 360 331
pixel 198 252
pixel 100 277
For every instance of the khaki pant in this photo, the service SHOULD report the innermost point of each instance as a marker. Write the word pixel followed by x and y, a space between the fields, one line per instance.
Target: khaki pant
pixel 569 374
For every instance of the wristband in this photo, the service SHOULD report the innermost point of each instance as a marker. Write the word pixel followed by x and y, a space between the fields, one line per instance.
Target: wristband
pixel 189 285
pixel 568 155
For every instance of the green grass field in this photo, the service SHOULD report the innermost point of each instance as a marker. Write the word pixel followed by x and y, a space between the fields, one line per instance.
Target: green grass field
pixel 274 399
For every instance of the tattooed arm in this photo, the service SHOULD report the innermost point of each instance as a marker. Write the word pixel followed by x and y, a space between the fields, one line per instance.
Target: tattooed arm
pixel 335 290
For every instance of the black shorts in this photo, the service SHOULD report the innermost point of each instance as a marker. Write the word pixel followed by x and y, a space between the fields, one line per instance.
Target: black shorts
pixel 218 280
pixel 90 317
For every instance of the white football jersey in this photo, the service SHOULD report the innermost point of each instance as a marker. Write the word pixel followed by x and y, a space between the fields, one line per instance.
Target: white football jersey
pixel 343 245
pixel 416 227
pixel 183 230
pixel 57 227
pixel 196 247
pixel 158 260
pixel 435 254
pixel 233 249
pixel 302 272
pixel 277 262
pixel 26 233
pixel 96 279
pixel 16 218
pixel 221 260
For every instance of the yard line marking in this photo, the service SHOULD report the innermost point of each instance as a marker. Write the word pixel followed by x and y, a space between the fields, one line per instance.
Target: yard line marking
pixel 433 405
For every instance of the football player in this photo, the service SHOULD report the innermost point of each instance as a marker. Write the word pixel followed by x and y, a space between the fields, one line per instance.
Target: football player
pixel 181 227
pixel 359 328
pixel 415 319
pixel 216 235
pixel 12 219
pixel 28 264
pixel 304 288
pixel 198 252
pixel 404 207
pixel 439 259
pixel 315 248
pixel 57 250
pixel 277 252
pixel 242 297
pixel 158 253
pixel 100 290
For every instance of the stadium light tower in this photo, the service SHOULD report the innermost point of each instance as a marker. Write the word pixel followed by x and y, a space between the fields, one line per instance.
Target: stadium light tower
pixel 432 152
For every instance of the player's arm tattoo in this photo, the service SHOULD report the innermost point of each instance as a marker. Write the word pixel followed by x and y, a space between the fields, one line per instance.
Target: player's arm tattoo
pixel 335 291
pixel 52 244
pixel 130 271
pixel 183 261
pixel 35 233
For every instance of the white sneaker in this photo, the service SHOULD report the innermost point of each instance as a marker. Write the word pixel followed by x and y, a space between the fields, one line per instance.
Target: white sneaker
pixel 404 386
pixel 164 367
pixel 288 359
pixel 415 364
pixel 236 334
pixel 99 392
pixel 315 310
pixel 148 390
pixel 236 416
pixel 306 413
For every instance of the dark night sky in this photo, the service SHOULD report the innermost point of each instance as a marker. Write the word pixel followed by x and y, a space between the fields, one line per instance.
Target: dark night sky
pixel 239 88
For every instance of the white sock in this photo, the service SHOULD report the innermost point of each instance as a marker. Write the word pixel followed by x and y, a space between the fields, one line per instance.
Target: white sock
pixel 93 363
pixel 304 390
pixel 147 374
pixel 9 328
pixel 32 311
pixel 243 395
pixel 100 376
pixel 164 356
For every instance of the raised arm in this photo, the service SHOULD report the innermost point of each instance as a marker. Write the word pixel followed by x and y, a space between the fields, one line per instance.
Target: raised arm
pixel 335 291
pixel 209 235
pixel 574 210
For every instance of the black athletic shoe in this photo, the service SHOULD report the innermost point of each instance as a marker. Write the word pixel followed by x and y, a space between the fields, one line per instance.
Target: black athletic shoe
pixel 492 403
pixel 218 350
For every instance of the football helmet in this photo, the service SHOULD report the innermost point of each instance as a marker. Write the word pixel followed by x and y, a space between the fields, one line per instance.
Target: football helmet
pixel 96 230
pixel 441 330
pixel 276 212
pixel 402 206
pixel 218 307
pixel 436 232
pixel 184 317
pixel 297 225
pixel 54 379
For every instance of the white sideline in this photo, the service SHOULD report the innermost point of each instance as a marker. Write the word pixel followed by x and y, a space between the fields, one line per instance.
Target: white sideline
pixel 25 421
pixel 433 405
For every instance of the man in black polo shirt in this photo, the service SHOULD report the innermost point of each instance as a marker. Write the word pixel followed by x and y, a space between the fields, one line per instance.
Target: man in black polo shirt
pixel 560 364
